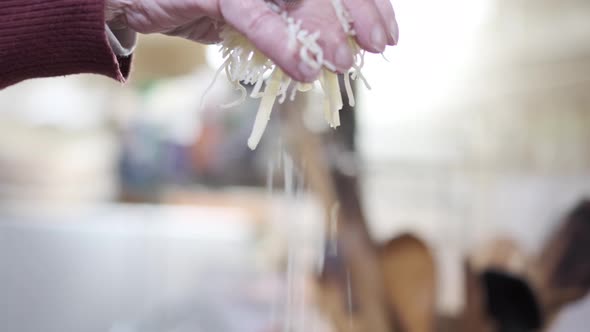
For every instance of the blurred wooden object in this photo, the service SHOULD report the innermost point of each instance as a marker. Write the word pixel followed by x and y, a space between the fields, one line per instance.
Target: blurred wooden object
pixel 474 317
pixel 410 282
pixel 561 274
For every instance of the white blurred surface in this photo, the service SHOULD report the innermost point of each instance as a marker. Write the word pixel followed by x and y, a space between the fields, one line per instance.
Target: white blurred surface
pixel 145 267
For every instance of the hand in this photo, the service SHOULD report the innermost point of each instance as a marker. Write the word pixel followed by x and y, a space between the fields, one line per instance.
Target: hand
pixel 201 20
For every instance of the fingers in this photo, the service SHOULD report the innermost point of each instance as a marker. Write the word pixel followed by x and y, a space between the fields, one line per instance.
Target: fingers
pixel 388 16
pixel 373 20
pixel 321 16
pixel 372 32
pixel 268 32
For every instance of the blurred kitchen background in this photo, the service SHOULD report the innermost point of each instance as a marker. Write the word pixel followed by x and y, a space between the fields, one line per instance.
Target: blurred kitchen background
pixel 135 208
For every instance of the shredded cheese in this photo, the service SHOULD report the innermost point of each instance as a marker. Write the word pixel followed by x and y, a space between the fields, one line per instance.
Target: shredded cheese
pixel 245 65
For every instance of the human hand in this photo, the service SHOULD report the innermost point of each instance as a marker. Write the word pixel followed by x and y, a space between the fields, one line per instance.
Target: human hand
pixel 201 21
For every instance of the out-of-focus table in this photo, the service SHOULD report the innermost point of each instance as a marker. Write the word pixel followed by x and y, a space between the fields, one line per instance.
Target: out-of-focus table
pixel 131 268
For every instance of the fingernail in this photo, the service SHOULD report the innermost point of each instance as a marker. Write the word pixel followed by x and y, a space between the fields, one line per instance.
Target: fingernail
pixel 394 31
pixel 309 74
pixel 378 39
pixel 343 60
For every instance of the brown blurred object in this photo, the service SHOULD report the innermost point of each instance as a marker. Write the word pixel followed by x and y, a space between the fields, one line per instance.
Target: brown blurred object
pixel 474 317
pixel 409 275
pixel 561 273
pixel 181 57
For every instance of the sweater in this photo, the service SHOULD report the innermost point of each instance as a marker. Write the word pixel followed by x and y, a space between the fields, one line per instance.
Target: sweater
pixel 44 38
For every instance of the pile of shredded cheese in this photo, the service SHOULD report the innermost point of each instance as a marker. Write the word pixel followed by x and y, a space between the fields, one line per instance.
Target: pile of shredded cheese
pixel 245 65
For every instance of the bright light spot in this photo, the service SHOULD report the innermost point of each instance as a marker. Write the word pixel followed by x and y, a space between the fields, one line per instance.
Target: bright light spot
pixel 435 47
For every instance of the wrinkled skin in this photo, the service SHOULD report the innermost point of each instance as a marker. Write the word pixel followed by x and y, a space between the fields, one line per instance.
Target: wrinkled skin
pixel 200 20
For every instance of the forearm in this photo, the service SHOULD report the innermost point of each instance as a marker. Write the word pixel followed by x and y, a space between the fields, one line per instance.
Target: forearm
pixel 42 38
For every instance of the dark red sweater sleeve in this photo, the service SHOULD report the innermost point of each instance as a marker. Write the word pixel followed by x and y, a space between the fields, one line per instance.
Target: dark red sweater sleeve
pixel 43 38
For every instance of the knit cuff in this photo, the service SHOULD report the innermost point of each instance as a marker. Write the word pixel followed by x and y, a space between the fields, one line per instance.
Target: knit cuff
pixel 43 38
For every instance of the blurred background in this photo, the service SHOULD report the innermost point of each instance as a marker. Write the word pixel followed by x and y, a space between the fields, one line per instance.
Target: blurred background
pixel 128 209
